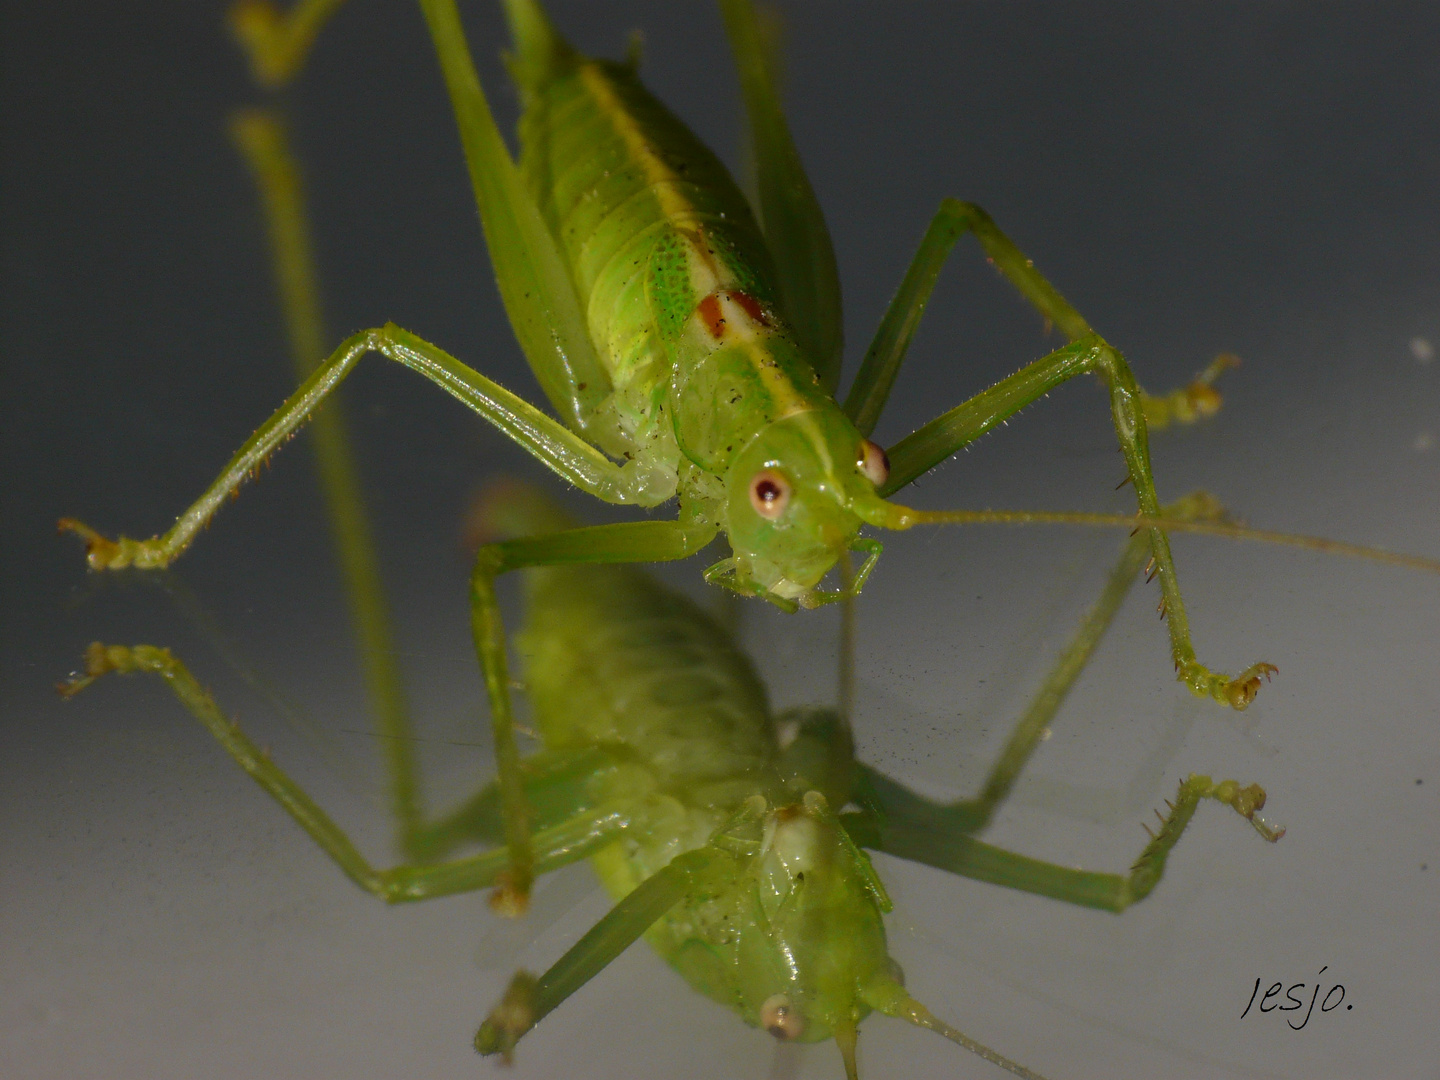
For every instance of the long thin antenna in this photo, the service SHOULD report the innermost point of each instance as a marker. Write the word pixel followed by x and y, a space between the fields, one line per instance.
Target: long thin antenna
pixel 845 1040
pixel 924 1018
pixel 903 517
pixel 889 997
pixel 979 1049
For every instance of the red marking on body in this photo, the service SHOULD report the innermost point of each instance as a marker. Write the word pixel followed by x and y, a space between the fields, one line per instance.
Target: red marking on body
pixel 711 316
pixel 750 306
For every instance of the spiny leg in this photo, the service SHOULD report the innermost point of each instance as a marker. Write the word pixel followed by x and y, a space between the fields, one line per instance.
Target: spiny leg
pixel 261 138
pixel 556 447
pixel 937 440
pixel 873 382
pixel 627 542
pixel 970 815
pixel 565 842
pixel 1087 353
pixel 907 834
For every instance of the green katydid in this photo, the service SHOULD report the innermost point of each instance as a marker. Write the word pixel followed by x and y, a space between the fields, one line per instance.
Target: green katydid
pixel 693 351
pixel 718 827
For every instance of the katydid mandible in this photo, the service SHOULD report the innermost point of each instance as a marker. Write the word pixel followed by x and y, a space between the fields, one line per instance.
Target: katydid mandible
pixel 691 349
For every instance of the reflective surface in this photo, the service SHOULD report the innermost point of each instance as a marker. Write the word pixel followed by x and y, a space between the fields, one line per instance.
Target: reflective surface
pixel 1259 180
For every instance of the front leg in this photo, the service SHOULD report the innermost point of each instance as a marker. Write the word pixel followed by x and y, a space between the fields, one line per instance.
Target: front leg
pixel 940 438
pixel 1087 353
pixel 627 542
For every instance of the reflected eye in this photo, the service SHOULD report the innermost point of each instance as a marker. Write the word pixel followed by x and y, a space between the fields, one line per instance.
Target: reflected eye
pixel 781 1019
pixel 873 462
pixel 769 494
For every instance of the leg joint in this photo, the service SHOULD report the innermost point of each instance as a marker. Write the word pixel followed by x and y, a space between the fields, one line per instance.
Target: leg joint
pixel 967 212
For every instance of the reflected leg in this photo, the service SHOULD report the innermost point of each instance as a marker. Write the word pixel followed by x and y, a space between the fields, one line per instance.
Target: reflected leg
pixel 566 842
pixel 971 815
pixel 628 542
pixel 529 1000
pixel 908 835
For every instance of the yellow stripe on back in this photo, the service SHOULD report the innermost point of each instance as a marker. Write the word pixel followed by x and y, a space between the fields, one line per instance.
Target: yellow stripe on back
pixel 708 275
pixel 660 176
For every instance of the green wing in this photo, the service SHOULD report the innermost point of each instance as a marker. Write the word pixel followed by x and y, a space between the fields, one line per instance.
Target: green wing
pixel 534 282
pixel 794 227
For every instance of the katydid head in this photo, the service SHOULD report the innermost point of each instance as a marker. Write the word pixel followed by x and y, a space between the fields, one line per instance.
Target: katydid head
pixel 812 962
pixel 815 939
pixel 791 500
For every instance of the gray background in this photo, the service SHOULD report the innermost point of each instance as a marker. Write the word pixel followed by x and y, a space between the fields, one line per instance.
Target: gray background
pixel 1259 178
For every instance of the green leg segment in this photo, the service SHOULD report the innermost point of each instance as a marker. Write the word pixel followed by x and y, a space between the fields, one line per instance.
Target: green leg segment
pixel 564 452
pixel 529 1000
pixel 564 842
pixel 1087 353
pixel 277 43
pixel 261 138
pixel 881 365
pixel 554 783
pixel 907 834
pixel 898 821
pixel 626 542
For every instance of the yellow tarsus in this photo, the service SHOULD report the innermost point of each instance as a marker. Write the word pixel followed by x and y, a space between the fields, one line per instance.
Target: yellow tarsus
pixel 277 42
pixel 509 898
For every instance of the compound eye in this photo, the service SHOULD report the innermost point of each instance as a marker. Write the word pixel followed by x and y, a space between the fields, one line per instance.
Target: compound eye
pixel 781 1019
pixel 873 462
pixel 769 494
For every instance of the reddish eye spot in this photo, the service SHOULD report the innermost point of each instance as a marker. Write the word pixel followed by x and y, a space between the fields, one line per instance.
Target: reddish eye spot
pixel 751 307
pixel 712 316
pixel 769 494
pixel 873 462
pixel 781 1019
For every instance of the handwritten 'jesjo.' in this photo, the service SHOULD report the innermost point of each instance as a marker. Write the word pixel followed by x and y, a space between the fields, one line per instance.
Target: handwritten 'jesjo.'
pixel 1332 1000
